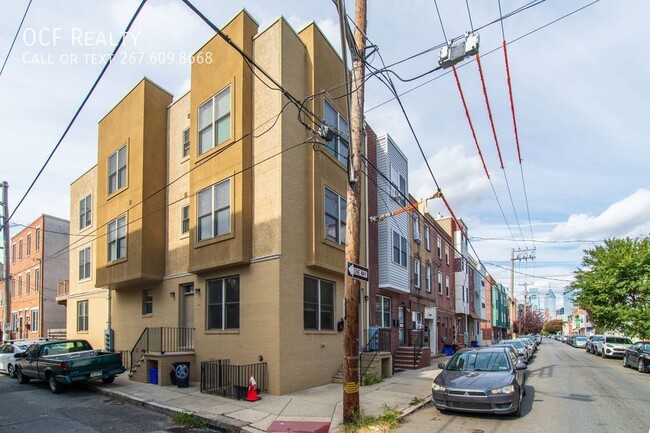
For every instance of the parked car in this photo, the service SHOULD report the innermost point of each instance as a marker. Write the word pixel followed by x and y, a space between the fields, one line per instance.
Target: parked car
pixel 569 340
pixel 67 361
pixel 579 341
pixel 591 343
pixel 481 379
pixel 613 347
pixel 521 353
pixel 7 355
pixel 520 346
pixel 530 343
pixel 638 356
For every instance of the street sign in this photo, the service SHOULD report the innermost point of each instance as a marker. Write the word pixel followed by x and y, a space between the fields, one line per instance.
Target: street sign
pixel 357 271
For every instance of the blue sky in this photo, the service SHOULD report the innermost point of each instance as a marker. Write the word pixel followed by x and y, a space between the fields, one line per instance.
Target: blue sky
pixel 580 91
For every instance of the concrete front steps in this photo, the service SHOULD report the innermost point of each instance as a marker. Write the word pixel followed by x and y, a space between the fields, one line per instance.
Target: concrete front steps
pixel 404 358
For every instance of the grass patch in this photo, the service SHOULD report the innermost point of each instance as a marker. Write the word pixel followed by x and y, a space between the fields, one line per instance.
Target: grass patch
pixel 416 400
pixel 389 419
pixel 185 419
pixel 371 379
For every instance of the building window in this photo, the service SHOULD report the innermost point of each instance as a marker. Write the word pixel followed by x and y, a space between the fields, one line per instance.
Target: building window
pixel 82 316
pixel 34 320
pixel 117 170
pixel 13 288
pixel 117 239
pixel 416 228
pixel 185 219
pixel 400 249
pixel 335 216
pixel 29 244
pixel 147 302
pixel 38 240
pixel 427 240
pixel 440 283
pixel 214 211
pixel 13 253
pixel 318 304
pixel 416 273
pixel 447 254
pixel 427 278
pixel 214 121
pixel 20 285
pixel 447 285
pixel 339 145
pixel 84 263
pixel 37 280
pixel 382 310
pixel 28 282
pixel 439 247
pixel 398 186
pixel 20 249
pixel 85 213
pixel 223 303
pixel 186 142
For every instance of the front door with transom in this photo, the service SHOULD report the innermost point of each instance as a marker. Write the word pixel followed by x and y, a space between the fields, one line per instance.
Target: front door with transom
pixel 187 306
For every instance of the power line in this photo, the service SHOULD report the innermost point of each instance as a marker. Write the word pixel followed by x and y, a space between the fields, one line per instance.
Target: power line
pixel 11 47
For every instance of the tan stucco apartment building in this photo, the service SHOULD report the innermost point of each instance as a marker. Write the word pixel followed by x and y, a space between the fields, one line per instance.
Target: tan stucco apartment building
pixel 219 211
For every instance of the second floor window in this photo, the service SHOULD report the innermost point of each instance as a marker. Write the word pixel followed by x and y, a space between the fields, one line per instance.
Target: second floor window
pixel 400 249
pixel 186 143
pixel 440 283
pixel 427 240
pixel 84 263
pixel 335 217
pixel 416 273
pixel 85 217
pixel 20 249
pixel 20 286
pixel 28 282
pixel 213 211
pixel 338 146
pixel 37 280
pixel 416 227
pixel 147 302
pixel 29 244
pixel 13 253
pixel 117 170
pixel 427 278
pixel 439 247
pixel 117 239
pixel 38 240
pixel 185 219
pixel 214 121
pixel 447 285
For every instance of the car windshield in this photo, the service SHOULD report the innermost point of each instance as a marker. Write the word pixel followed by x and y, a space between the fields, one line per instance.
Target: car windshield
pixel 646 347
pixel 597 338
pixel 479 361
pixel 22 347
pixel 581 338
pixel 518 344
pixel 618 340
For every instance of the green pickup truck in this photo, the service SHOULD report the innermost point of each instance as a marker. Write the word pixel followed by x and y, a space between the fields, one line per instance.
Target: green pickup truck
pixel 64 362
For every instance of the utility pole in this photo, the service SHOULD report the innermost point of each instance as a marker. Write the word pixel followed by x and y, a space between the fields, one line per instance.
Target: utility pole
pixel 525 254
pixel 351 406
pixel 6 320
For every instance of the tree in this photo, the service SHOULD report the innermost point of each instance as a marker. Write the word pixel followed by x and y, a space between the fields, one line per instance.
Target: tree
pixel 531 322
pixel 613 286
pixel 553 327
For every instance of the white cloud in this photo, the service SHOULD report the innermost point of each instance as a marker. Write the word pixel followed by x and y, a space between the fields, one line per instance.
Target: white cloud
pixel 627 217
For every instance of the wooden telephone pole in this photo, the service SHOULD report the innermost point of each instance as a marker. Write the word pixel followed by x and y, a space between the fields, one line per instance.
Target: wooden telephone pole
pixel 6 319
pixel 353 224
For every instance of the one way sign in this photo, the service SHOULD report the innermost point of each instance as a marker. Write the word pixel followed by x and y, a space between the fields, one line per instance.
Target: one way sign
pixel 358 272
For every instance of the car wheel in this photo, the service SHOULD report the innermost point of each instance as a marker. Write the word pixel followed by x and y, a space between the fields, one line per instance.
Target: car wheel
pixel 109 380
pixel 641 366
pixel 603 354
pixel 517 413
pixel 55 386
pixel 10 371
pixel 21 378
pixel 524 393
pixel 624 361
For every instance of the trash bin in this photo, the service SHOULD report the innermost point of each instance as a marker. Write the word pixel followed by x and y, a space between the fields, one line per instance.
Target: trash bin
pixel 182 373
pixel 240 392
pixel 153 376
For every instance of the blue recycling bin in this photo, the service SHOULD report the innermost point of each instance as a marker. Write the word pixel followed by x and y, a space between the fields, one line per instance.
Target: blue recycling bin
pixel 153 376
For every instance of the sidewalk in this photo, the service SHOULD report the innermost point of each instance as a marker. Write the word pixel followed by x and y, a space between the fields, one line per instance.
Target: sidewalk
pixel 317 409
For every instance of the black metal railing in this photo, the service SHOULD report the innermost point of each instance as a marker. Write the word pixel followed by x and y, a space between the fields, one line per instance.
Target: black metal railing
pixel 418 339
pixel 379 340
pixel 220 377
pixel 163 340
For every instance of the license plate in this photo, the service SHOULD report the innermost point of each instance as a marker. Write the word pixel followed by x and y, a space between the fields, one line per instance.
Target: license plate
pixel 95 374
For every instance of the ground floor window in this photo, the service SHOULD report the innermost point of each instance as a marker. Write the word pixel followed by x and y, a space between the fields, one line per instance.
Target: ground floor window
pixel 382 310
pixel 147 302
pixel 82 316
pixel 223 303
pixel 318 304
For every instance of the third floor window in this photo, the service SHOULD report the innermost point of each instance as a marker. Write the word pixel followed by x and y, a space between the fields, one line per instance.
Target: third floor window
pixel 214 121
pixel 85 213
pixel 335 217
pixel 339 145
pixel 213 211
pixel 117 170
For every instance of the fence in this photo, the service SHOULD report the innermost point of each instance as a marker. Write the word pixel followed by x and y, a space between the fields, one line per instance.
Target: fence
pixel 163 340
pixel 220 377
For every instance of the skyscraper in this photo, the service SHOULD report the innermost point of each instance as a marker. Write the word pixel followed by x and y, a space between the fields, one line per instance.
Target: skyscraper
pixel 550 304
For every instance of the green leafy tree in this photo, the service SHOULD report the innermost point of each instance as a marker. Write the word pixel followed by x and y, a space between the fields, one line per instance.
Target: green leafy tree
pixel 552 327
pixel 613 286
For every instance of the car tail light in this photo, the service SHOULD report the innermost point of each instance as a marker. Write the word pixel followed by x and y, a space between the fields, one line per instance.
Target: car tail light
pixel 64 367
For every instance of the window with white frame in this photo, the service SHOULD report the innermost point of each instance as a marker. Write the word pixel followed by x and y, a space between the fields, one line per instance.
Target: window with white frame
pixel 416 273
pixel 13 253
pixel 28 282
pixel 20 285
pixel 398 185
pixel 447 285
pixel 223 303
pixel 117 170
pixel 117 238
pixel 185 219
pixel 335 217
pixel 440 283
pixel 186 143
pixel 213 211
pixel 427 240
pixel 29 244
pixel 82 315
pixel 339 146
pixel 37 279
pixel 147 302
pixel 427 278
pixel 318 304
pixel 20 249
pixel 84 263
pixel 35 320
pixel 382 311
pixel 416 227
pixel 85 212
pixel 38 239
pixel 439 247
pixel 400 249
pixel 214 121
pixel 446 254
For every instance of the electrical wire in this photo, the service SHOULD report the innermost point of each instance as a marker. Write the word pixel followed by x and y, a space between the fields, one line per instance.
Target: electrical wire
pixel 13 42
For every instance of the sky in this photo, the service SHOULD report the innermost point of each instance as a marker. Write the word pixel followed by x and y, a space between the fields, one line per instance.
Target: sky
pixel 580 88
